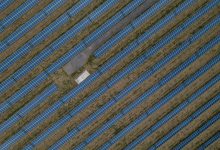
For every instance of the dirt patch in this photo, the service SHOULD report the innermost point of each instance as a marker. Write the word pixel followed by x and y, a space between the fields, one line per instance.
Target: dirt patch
pixel 28 15
pixel 64 82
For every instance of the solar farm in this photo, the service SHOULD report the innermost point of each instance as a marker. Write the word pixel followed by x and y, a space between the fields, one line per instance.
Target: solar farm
pixel 110 74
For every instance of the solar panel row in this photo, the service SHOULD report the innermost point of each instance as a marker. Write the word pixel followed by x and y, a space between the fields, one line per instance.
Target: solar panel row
pixel 28 107
pixel 61 122
pixel 5 3
pixel 27 26
pixel 137 22
pixel 198 131
pixel 158 124
pixel 145 96
pixel 211 140
pixel 18 13
pixel 43 35
pixel 22 112
pixel 118 98
pixel 188 120
pixel 71 33
pixel 22 92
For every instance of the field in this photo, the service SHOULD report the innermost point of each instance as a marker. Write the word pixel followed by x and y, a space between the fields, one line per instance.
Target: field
pixel 139 81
